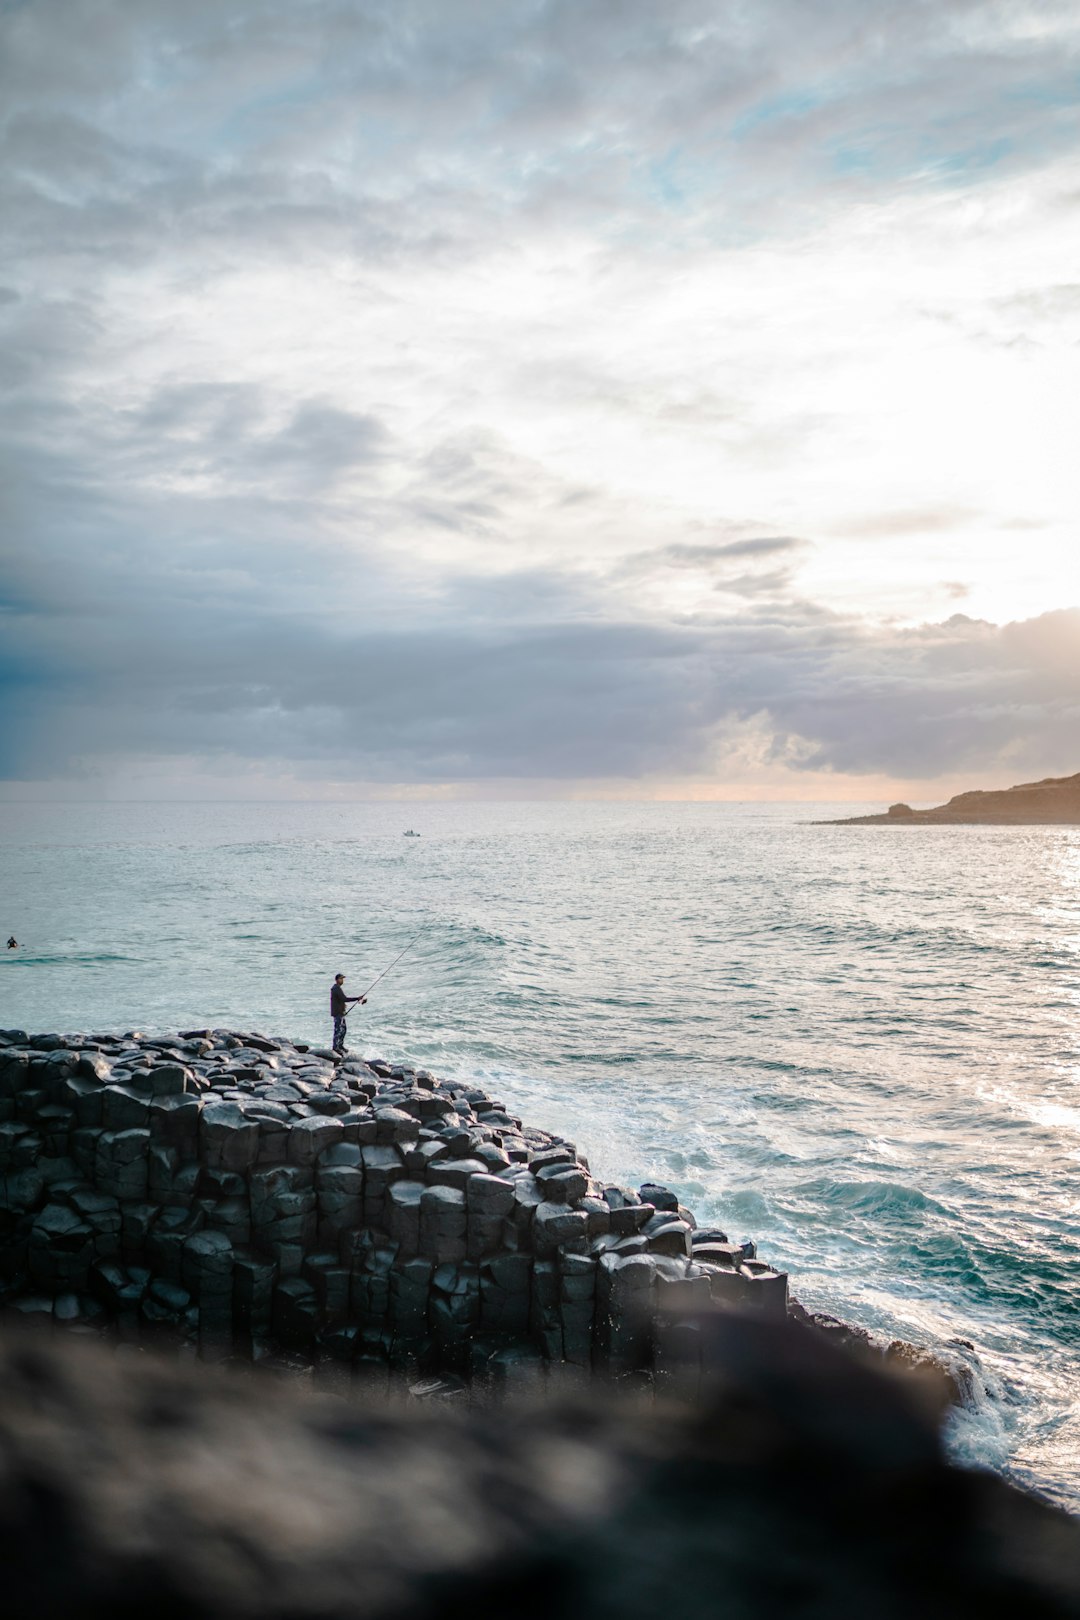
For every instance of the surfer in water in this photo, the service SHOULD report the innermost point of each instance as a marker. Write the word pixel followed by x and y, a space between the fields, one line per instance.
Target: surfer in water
pixel 12 943
pixel 339 1006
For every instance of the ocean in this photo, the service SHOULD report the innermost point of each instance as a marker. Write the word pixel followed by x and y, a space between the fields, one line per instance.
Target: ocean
pixel 858 1045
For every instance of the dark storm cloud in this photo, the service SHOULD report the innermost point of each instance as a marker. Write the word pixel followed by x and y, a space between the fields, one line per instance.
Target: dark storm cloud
pixel 245 652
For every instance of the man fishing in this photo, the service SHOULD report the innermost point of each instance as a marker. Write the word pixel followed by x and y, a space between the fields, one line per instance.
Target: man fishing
pixel 340 1002
pixel 339 1006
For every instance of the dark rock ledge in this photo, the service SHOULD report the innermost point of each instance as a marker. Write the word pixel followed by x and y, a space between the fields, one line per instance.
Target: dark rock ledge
pixel 241 1196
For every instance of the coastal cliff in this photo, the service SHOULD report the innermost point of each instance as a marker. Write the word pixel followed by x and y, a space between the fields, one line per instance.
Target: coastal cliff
pixel 1055 801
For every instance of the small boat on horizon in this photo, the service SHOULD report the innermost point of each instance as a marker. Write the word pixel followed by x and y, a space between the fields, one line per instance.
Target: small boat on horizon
pixel 410 834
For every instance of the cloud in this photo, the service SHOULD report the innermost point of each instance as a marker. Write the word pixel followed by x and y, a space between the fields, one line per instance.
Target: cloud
pixel 440 391
pixel 763 546
pixel 287 125
pixel 963 695
pixel 921 520
pixel 240 435
pixel 260 650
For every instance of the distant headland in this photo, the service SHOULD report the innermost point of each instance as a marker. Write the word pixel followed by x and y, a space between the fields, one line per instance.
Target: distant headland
pixel 1055 801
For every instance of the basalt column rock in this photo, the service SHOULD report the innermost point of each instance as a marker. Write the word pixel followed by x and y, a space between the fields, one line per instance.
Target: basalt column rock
pixel 242 1194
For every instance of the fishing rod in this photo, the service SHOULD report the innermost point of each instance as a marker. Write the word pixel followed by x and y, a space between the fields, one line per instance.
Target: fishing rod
pixel 393 964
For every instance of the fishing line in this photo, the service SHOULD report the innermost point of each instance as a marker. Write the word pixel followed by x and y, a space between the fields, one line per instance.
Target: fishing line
pixel 396 960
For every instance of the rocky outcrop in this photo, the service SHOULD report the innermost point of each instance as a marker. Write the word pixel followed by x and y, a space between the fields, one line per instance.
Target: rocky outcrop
pixel 240 1194
pixel 1055 801
pixel 802 1485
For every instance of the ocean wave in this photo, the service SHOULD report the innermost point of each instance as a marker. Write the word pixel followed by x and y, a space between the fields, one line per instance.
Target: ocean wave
pixel 978 1429
pixel 63 958
pixel 863 933
pixel 871 1198
pixel 751 1207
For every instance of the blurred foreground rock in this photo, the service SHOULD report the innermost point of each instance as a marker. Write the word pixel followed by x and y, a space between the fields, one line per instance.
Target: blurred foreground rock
pixel 806 1484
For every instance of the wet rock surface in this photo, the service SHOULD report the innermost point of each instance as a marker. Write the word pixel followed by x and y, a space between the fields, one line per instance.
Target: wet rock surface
pixel 803 1484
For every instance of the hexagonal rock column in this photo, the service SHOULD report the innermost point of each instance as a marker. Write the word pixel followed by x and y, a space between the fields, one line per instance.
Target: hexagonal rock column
pixel 235 1187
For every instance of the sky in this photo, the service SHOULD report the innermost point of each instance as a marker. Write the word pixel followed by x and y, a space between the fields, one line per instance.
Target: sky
pixel 565 398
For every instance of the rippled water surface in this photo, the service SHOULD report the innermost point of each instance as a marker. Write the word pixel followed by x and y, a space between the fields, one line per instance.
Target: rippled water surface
pixel 858 1045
